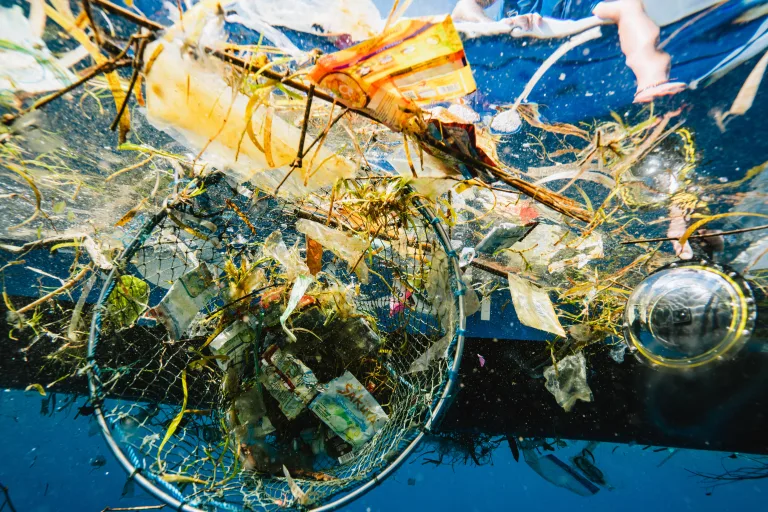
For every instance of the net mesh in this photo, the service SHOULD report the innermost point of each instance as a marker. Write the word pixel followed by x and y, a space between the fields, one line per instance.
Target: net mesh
pixel 174 406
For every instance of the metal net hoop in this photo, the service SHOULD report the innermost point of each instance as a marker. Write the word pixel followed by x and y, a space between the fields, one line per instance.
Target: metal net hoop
pixel 143 391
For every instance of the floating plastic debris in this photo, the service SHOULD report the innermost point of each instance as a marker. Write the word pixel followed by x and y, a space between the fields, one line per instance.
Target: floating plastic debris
pixel 189 99
pixel 567 381
pixel 347 246
pixel 288 380
pixel 557 472
pixel 414 62
pixel 232 344
pixel 28 65
pixel 502 236
pixel 349 410
pixel 533 306
pixel 183 300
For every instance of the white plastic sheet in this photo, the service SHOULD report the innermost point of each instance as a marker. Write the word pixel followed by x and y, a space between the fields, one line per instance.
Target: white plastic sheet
pixel 346 246
pixel 533 306
pixel 26 64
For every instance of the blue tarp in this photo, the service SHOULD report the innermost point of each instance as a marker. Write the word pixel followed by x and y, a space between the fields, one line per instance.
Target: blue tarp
pixel 589 81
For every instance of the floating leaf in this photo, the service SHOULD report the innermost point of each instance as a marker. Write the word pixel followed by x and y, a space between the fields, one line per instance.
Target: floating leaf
pixel 172 429
pixel 59 207
pixel 36 387
pixel 314 256
pixel 127 301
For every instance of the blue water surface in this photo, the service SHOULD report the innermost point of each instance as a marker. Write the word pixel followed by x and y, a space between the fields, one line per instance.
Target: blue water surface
pixel 44 462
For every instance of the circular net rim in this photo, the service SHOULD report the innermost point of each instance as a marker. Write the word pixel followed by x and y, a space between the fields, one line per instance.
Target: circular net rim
pixel 169 493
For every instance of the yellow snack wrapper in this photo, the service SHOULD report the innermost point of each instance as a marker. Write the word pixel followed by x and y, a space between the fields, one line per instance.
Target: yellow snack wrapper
pixel 414 63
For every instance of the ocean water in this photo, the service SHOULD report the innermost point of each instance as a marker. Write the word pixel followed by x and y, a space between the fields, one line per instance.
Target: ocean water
pixel 44 462
pixel 53 461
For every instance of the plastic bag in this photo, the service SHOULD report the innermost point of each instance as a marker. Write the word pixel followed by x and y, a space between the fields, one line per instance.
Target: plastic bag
pixel 568 382
pixel 438 349
pixel 471 300
pixel 441 298
pixel 346 246
pixel 533 306
pixel 349 410
pixel 438 289
pixel 189 99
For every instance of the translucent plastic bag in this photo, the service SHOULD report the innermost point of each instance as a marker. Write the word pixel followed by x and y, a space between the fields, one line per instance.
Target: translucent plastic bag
pixel 346 246
pixel 568 381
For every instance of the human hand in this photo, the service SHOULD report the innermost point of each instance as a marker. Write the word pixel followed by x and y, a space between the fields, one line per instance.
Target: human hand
pixel 524 23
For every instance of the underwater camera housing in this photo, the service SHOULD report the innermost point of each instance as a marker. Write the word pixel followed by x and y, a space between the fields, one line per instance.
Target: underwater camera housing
pixel 687 315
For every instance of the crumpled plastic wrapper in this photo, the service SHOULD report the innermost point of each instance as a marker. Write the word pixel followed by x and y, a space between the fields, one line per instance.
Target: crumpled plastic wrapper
pixel 346 246
pixel 568 383
pixel 289 259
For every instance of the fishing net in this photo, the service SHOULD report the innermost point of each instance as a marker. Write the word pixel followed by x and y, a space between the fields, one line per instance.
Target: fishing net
pixel 239 424
pixel 253 351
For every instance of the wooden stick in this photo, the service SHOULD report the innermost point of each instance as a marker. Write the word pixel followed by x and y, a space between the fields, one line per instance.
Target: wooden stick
pixel 138 60
pixel 709 235
pixel 89 13
pixel 106 67
pixel 128 15
pixel 304 125
pixel 66 286
pixel 492 267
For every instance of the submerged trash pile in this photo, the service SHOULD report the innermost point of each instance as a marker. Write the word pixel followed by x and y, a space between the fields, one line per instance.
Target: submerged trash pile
pixel 287 243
